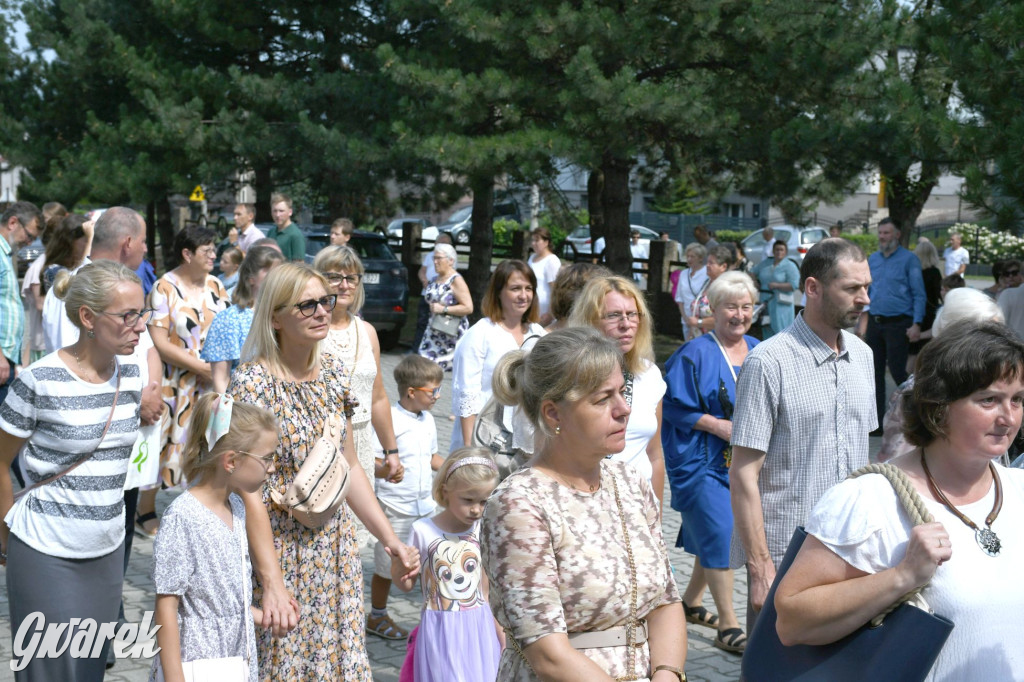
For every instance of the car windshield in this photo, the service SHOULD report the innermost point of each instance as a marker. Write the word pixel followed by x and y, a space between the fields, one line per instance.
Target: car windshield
pixel 580 232
pixel 371 249
pixel 460 215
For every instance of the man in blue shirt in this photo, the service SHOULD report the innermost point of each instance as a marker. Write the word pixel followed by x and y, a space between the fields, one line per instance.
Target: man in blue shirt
pixel 897 309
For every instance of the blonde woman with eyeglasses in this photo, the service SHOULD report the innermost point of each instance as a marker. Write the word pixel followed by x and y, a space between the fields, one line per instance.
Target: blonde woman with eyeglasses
pixel 354 341
pixel 615 307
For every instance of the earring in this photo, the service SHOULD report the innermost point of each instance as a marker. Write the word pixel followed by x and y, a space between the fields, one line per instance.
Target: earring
pixel 91 334
pixel 231 471
pixel 558 430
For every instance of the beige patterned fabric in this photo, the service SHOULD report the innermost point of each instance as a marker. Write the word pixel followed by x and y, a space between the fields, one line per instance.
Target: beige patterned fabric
pixel 556 560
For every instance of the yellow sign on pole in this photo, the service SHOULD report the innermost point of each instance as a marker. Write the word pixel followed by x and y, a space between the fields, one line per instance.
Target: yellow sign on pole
pixel 197 194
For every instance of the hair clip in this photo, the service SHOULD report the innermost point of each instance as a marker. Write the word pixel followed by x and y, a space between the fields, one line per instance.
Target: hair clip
pixel 220 420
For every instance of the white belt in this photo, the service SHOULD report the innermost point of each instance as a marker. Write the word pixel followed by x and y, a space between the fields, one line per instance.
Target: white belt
pixel 611 637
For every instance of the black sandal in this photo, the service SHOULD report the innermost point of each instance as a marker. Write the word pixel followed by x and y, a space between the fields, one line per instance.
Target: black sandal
pixel 698 615
pixel 140 524
pixel 732 640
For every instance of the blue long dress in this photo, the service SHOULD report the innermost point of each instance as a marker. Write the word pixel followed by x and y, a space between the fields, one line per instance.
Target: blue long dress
pixel 699 382
pixel 781 314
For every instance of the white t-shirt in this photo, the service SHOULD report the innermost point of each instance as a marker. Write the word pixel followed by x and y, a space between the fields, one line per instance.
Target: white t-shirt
pixel 58 331
pixel 81 515
pixel 546 269
pixel 33 316
pixel 689 287
pixel 648 390
pixel 428 263
pixel 954 259
pixel 638 251
pixel 416 435
pixel 476 356
pixel 862 521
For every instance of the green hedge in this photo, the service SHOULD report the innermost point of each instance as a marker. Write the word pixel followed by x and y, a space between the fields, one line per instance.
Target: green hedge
pixel 867 242
pixel 731 235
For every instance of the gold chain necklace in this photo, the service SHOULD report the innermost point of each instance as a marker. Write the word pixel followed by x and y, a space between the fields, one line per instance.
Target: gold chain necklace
pixel 96 374
pixel 632 623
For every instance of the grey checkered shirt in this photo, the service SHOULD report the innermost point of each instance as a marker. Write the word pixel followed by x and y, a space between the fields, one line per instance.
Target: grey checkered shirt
pixel 810 411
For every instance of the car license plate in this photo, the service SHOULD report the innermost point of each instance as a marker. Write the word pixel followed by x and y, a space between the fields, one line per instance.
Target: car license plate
pixel 371 278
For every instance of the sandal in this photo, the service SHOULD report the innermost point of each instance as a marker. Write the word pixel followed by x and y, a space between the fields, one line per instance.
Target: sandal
pixel 140 525
pixel 698 615
pixel 385 627
pixel 732 640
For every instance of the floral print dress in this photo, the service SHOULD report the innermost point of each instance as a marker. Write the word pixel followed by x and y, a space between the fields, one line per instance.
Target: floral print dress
pixel 186 323
pixel 436 345
pixel 321 566
pixel 556 560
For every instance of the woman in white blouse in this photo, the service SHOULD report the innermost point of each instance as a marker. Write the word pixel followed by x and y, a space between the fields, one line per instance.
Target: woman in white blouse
pixel 545 266
pixel 510 317
pixel 615 307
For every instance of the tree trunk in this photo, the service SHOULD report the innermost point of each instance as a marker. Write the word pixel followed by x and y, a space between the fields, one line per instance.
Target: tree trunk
pixel 481 240
pixel 165 228
pixel 151 231
pixel 615 203
pixel 906 197
pixel 264 188
pixel 595 197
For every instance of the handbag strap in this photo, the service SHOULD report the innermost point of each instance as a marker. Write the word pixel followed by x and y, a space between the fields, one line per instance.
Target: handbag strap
pixel 55 477
pixel 916 510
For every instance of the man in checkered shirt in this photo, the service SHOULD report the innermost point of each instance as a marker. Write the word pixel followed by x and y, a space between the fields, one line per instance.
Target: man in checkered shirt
pixel 805 404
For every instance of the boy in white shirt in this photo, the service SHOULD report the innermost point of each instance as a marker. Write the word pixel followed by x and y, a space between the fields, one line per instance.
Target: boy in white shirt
pixel 408 499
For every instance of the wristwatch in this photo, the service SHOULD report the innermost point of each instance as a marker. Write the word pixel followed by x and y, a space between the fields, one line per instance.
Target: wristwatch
pixel 672 669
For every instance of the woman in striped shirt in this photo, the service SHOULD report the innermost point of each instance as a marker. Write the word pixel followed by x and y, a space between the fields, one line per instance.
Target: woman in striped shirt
pixel 76 408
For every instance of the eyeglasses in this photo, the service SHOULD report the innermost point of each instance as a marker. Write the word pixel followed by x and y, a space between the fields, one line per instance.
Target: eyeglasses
pixel 206 251
pixel 1011 273
pixel 308 308
pixel 132 318
pixel 633 317
pixel 265 460
pixel 434 392
pixel 338 278
pixel 32 236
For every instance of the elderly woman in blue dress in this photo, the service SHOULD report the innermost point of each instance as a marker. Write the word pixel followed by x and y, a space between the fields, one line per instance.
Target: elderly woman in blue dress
pixel 780 285
pixel 696 428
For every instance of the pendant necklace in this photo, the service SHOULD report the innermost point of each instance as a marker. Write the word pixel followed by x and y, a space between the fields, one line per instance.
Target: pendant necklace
pixel 985 537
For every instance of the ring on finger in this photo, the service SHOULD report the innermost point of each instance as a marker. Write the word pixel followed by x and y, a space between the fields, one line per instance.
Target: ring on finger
pixel 940 542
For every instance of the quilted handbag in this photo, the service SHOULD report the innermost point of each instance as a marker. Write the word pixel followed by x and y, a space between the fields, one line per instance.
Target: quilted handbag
pixel 321 485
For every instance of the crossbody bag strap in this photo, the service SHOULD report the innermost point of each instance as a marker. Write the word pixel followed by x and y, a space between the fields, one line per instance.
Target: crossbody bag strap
pixel 916 509
pixel 50 479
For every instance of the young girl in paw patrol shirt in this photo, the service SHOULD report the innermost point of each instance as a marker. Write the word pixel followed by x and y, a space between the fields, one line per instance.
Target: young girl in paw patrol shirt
pixel 457 639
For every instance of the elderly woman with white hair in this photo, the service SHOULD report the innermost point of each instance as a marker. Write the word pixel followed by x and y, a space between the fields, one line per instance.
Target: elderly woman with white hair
pixel 697 427
pixel 960 304
pixel 450 306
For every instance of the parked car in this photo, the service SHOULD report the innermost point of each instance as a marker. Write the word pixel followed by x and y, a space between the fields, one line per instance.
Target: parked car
pixel 28 254
pixel 580 239
pixel 460 223
pixel 798 239
pixel 428 232
pixel 386 281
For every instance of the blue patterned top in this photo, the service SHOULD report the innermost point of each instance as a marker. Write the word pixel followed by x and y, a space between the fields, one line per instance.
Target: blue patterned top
pixel 227 333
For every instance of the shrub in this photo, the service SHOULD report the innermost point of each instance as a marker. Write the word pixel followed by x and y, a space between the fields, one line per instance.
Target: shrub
pixel 723 236
pixel 986 246
pixel 867 242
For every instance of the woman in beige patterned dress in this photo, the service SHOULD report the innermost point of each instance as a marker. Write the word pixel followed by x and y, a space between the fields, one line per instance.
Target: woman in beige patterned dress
pixel 284 371
pixel 572 545
pixel 186 299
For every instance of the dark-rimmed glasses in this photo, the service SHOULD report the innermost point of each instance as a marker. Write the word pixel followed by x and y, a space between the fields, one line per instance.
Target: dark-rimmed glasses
pixel 434 392
pixel 308 308
pixel 132 318
pixel 337 278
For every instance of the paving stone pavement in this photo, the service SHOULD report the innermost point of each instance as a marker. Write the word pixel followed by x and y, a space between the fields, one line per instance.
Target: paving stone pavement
pixel 704 663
